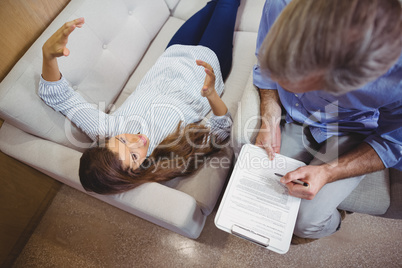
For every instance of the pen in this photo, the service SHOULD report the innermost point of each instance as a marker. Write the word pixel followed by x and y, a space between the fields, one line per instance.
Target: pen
pixel 305 184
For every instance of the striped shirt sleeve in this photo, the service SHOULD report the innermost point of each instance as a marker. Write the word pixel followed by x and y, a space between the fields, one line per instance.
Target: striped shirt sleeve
pixel 62 98
pixel 220 125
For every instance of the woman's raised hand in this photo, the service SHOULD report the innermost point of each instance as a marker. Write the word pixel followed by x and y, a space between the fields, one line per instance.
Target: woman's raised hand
pixel 55 46
pixel 209 83
pixel 208 90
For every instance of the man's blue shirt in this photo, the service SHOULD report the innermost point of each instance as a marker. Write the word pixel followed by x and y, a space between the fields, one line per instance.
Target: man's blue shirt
pixel 375 110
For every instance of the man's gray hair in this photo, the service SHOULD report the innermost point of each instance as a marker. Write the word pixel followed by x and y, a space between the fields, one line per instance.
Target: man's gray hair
pixel 347 43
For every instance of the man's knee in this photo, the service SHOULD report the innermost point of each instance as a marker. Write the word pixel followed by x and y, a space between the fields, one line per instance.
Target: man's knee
pixel 311 226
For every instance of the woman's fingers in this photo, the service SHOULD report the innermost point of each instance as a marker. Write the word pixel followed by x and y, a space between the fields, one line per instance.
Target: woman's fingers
pixel 55 46
pixel 66 52
pixel 205 65
pixel 209 82
pixel 208 70
pixel 79 22
pixel 71 25
pixel 210 78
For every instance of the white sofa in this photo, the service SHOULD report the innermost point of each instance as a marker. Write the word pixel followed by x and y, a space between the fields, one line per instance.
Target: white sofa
pixel 109 55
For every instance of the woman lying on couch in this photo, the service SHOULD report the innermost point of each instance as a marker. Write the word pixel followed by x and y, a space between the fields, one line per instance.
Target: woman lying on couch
pixel 155 134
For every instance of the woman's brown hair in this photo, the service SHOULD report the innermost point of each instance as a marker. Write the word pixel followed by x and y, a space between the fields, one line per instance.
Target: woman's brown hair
pixel 178 155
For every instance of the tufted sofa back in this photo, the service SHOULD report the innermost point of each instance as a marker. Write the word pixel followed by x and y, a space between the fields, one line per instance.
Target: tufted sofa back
pixel 104 54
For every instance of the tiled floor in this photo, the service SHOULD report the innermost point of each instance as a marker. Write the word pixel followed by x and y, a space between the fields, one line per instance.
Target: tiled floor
pixel 80 231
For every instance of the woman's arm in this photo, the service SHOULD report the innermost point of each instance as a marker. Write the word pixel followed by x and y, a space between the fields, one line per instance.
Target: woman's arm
pixel 55 47
pixel 56 92
pixel 208 90
pixel 220 122
pixel 62 98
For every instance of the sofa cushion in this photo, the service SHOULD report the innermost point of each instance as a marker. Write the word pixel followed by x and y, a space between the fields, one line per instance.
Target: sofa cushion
pixel 395 208
pixel 206 185
pixel 249 13
pixel 375 186
pixel 104 53
pixel 154 51
pixel 172 3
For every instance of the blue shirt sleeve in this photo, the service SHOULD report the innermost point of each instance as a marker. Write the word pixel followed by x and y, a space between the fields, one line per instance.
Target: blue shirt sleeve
pixel 271 10
pixel 387 140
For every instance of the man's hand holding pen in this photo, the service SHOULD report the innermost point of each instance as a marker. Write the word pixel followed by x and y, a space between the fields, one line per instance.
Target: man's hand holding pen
pixel 305 182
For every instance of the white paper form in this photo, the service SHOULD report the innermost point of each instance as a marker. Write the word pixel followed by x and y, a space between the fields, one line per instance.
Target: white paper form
pixel 255 204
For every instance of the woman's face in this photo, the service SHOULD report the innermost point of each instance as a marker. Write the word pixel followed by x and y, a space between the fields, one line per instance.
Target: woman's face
pixel 131 148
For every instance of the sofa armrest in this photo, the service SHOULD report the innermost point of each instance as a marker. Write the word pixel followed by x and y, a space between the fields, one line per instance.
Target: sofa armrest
pixel 169 208
pixel 246 123
pixel 164 206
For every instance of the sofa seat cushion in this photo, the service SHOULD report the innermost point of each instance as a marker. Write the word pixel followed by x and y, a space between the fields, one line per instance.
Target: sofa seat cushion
pixel 206 185
pixel 395 208
pixel 371 196
pixel 249 13
pixel 104 53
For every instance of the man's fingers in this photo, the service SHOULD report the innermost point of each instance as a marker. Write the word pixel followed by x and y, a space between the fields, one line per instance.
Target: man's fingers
pixel 300 191
pixel 270 140
pixel 271 152
pixel 268 148
pixel 297 174
pixel 277 140
pixel 275 145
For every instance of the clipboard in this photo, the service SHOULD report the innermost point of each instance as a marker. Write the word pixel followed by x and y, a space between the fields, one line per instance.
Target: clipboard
pixel 255 205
